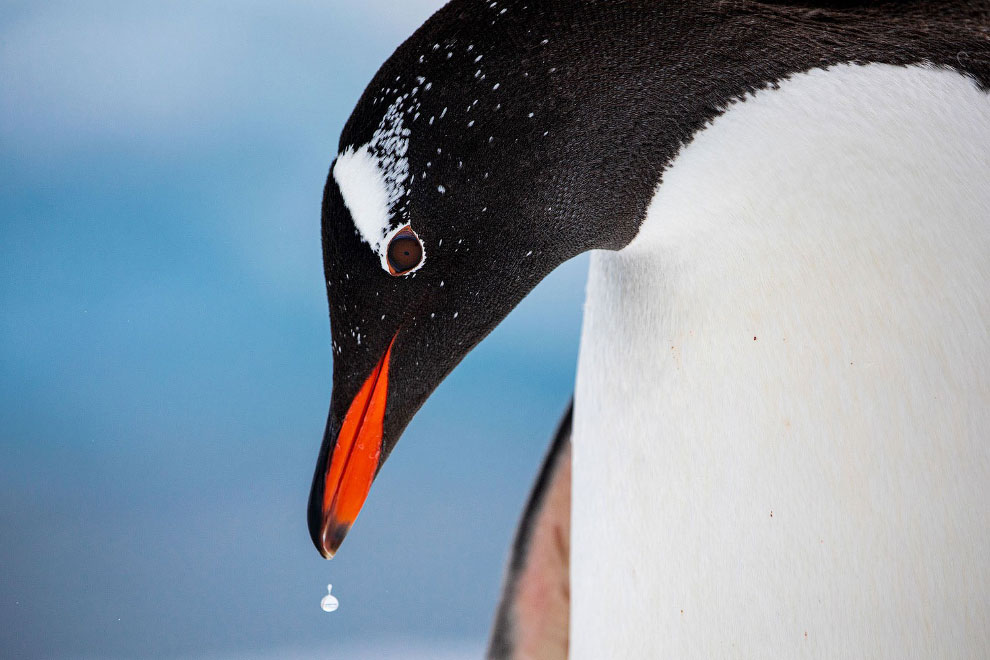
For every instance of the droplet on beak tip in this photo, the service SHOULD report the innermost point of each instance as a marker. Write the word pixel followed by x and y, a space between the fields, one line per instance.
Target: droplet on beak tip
pixel 333 536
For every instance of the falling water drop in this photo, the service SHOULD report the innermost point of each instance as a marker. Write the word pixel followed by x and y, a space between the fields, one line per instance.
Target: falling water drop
pixel 329 602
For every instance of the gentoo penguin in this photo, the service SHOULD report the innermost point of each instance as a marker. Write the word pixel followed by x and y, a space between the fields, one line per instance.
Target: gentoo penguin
pixel 779 437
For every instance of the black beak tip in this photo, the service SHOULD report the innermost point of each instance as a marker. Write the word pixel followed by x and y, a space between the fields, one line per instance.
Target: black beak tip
pixel 314 517
pixel 333 535
pixel 326 532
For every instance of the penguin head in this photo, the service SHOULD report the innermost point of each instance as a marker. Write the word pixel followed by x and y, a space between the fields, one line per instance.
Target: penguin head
pixel 448 201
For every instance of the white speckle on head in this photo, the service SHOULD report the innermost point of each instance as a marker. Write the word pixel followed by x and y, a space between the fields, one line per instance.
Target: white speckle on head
pixel 441 189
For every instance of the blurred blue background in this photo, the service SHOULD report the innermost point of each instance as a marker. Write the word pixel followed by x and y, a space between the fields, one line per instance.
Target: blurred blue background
pixel 164 351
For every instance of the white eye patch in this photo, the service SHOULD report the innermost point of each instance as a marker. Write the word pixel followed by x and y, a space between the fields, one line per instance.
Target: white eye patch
pixel 373 177
pixel 363 187
pixel 367 196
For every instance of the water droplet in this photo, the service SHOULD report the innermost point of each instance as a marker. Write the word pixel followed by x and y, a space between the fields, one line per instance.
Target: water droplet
pixel 329 602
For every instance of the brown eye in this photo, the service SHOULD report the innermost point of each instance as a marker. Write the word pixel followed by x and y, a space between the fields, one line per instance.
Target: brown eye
pixel 405 252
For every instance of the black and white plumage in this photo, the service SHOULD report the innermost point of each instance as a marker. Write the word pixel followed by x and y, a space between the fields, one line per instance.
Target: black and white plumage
pixel 779 427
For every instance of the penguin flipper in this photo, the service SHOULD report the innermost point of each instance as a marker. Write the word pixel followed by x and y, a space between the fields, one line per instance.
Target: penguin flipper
pixel 534 609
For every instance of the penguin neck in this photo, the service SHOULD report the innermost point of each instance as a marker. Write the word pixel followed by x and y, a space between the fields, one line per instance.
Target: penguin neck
pixel 808 260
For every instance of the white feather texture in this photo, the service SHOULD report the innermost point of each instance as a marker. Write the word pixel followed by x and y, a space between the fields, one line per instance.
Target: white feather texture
pixel 782 408
pixel 362 186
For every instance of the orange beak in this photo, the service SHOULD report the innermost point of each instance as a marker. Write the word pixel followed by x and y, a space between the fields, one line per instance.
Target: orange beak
pixel 355 458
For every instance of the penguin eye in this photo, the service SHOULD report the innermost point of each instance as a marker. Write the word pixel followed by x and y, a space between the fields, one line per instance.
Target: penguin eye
pixel 405 252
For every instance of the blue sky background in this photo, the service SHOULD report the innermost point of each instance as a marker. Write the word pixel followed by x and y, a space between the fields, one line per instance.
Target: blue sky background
pixel 164 351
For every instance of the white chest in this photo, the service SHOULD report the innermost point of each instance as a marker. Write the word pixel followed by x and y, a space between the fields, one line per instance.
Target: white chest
pixel 782 415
